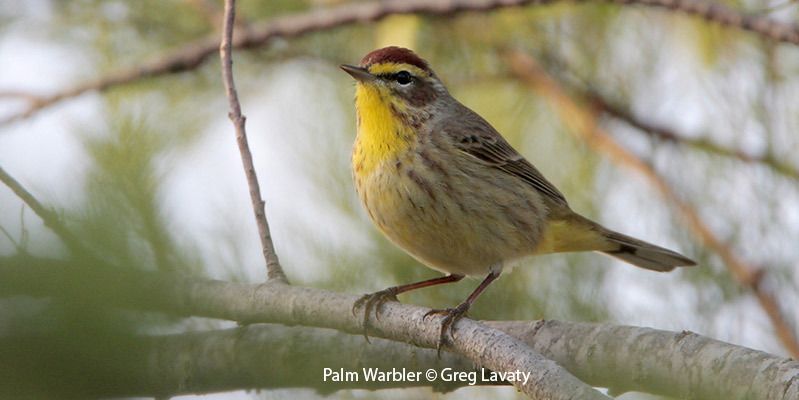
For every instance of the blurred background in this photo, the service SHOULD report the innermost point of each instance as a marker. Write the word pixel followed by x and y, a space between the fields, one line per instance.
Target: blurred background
pixel 148 174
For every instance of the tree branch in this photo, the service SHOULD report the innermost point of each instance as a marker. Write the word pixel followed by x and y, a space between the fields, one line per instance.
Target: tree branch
pixel 585 126
pixel 663 133
pixel 49 217
pixel 710 11
pixel 666 363
pixel 680 365
pixel 621 358
pixel 676 364
pixel 196 53
pixel 274 271
pixel 285 304
pixel 261 356
pixel 266 356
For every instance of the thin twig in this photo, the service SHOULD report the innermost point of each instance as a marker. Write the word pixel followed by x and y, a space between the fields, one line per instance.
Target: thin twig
pixel 194 54
pixel 764 26
pixel 585 125
pixel 273 269
pixel 17 246
pixel 670 135
pixel 49 217
pixel 19 95
pixel 612 108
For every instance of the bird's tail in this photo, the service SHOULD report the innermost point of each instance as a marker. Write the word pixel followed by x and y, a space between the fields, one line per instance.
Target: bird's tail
pixel 577 233
pixel 643 254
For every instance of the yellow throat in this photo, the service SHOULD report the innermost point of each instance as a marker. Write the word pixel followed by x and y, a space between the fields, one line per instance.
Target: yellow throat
pixel 381 134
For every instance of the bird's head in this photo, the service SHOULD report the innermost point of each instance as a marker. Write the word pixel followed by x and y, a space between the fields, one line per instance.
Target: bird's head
pixel 395 77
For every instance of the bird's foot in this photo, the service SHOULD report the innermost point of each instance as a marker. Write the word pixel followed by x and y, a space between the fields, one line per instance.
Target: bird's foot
pixel 451 316
pixel 373 301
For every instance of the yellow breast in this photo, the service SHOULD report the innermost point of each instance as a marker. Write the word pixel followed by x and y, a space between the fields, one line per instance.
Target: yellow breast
pixel 381 134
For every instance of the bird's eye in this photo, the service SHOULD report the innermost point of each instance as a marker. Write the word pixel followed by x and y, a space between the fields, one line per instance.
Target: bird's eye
pixel 403 77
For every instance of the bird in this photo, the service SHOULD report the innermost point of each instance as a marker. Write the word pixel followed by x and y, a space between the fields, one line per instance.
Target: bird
pixel 442 184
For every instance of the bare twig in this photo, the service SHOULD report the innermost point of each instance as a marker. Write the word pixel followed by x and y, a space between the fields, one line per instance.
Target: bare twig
pixel 49 217
pixel 585 125
pixel 195 53
pixel 19 95
pixel 273 269
pixel 676 364
pixel 18 246
pixel 764 26
pixel 670 135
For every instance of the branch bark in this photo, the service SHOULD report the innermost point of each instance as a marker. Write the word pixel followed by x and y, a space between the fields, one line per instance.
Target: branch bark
pixel 676 364
pixel 622 358
pixel 266 356
pixel 285 304
pixel 586 127
pixel 196 53
pixel 274 272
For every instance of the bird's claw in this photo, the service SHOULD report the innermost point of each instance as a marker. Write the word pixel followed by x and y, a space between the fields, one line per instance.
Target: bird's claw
pixel 373 301
pixel 451 316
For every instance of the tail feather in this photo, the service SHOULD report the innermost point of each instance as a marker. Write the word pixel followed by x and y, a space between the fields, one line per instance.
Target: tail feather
pixel 643 254
pixel 574 232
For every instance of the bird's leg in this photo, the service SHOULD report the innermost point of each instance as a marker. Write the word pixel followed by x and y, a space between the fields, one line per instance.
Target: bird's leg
pixel 374 301
pixel 452 315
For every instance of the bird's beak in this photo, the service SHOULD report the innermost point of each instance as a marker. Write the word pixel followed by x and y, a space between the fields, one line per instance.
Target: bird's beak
pixel 361 74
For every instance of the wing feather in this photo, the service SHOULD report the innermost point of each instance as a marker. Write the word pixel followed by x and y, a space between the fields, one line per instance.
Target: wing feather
pixel 476 137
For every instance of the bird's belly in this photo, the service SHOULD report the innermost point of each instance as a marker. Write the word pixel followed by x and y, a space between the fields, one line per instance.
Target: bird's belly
pixel 453 228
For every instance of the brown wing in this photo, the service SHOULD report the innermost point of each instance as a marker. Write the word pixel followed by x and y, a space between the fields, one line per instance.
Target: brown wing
pixel 479 139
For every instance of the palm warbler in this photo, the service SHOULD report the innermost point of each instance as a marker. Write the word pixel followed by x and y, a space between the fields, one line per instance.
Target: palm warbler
pixel 446 187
